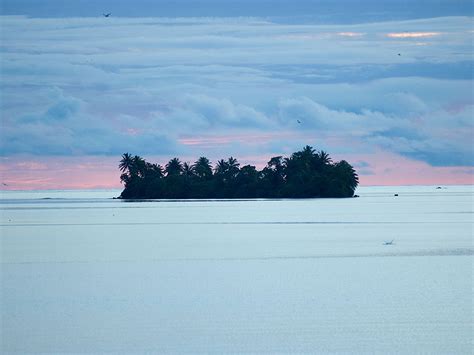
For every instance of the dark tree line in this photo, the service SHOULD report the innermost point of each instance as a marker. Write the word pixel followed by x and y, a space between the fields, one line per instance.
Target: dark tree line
pixel 305 174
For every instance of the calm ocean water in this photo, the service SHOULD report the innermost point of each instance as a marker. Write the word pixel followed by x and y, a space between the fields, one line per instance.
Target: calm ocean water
pixel 82 272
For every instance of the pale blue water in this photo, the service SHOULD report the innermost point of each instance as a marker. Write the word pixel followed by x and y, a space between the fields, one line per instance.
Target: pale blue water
pixel 81 272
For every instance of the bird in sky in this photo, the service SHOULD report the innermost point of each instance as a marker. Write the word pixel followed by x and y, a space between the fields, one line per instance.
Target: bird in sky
pixel 388 243
pixel 107 14
pixel 399 55
pixel 298 121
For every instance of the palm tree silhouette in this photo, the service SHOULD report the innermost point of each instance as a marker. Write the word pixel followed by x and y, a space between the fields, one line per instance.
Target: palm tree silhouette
pixel 202 168
pixel 153 171
pixel 138 166
pixel 305 174
pixel 347 177
pixel 126 162
pixel 248 174
pixel 273 175
pixel 174 167
pixel 232 168
pixel 187 170
pixel 221 167
pixel 323 158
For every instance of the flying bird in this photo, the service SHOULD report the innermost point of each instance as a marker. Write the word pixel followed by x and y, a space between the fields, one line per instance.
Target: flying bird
pixel 298 121
pixel 388 243
pixel 399 55
pixel 107 14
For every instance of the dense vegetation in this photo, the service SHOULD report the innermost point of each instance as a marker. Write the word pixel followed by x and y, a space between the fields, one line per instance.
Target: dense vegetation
pixel 304 174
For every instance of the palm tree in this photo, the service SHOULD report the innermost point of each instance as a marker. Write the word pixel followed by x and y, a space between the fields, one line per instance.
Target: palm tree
pixel 227 170
pixel 153 170
pixel 275 163
pixel 300 171
pixel 323 158
pixel 248 174
pixel 303 159
pixel 232 168
pixel 187 170
pixel 347 177
pixel 275 166
pixel 246 184
pixel 138 166
pixel 307 152
pixel 273 176
pixel 126 162
pixel 124 178
pixel 202 168
pixel 174 167
pixel 221 167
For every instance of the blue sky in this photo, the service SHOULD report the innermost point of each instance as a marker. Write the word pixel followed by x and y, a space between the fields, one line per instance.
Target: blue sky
pixel 369 81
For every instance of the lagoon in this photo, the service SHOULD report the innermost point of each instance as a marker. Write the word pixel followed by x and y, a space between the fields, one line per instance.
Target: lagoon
pixel 81 272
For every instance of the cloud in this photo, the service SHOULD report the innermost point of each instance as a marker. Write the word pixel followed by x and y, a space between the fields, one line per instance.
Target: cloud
pixel 85 86
pixel 221 111
pixel 441 138
pixel 412 34
pixel 363 168
pixel 314 115
pixel 351 34
pixel 66 128
pixel 62 109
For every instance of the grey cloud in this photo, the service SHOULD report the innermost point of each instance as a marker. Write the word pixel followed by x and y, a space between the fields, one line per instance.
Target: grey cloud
pixel 62 109
pixel 199 113
pixel 396 132
pixel 432 142
pixel 314 115
pixel 439 138
pixel 360 73
pixel 141 84
pixel 444 158
pixel 65 128
pixel 365 172
pixel 224 112
pixel 361 164
pixel 52 140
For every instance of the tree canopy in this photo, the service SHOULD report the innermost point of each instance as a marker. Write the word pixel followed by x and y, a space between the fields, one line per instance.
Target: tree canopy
pixel 305 174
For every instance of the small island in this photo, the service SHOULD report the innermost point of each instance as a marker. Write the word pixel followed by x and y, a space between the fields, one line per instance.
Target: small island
pixel 305 174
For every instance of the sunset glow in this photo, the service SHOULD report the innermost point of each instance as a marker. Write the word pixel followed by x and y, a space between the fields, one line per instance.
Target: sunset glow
pixel 382 168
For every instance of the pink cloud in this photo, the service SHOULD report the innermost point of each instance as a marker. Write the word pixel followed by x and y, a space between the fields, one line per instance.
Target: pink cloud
pixel 412 34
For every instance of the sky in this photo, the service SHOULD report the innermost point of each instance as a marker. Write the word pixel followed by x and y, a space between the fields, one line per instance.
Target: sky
pixel 385 85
